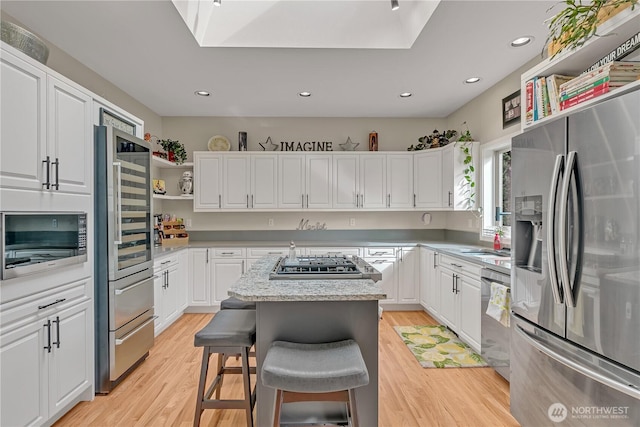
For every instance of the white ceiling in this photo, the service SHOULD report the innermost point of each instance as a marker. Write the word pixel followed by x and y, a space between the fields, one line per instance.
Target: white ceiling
pixel 145 48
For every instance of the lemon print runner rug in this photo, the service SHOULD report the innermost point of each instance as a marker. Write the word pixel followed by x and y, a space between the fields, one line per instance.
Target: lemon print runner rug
pixel 438 347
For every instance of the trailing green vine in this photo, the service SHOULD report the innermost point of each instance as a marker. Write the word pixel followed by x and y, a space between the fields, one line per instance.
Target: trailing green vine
pixel 466 146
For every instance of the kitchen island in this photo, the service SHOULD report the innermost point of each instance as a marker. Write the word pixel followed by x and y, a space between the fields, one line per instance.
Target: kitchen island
pixel 313 311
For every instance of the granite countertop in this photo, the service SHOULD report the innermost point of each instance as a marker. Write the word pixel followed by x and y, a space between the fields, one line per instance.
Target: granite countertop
pixel 255 285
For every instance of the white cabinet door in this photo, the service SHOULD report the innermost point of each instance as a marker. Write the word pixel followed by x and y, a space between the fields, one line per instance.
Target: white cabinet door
pixel 236 181
pixel 23 119
pixel 69 137
pixel 23 377
pixel 400 180
pixel 159 283
pixel 291 181
pixel 430 281
pixel 408 285
pixel 447 176
pixel 346 169
pixel 389 282
pixel 225 272
pixel 319 183
pixel 199 281
pixel 170 296
pixel 183 279
pixel 427 172
pixel 373 184
pixel 207 170
pixel 449 304
pixel 70 367
pixel 470 311
pixel 264 181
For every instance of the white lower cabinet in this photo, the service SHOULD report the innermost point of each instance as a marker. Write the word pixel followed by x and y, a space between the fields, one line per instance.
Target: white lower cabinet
pixel 199 286
pixel 408 285
pixel 46 354
pixel 384 260
pixel 227 265
pixel 429 281
pixel 460 305
pixel 169 288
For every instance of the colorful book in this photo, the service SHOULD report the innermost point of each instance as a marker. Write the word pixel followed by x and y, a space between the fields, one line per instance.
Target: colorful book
pixel 546 105
pixel 529 101
pixel 538 112
pixel 553 89
pixel 585 96
pixel 566 95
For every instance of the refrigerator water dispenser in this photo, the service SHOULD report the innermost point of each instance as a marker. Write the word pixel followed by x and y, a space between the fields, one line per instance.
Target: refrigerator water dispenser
pixel 528 216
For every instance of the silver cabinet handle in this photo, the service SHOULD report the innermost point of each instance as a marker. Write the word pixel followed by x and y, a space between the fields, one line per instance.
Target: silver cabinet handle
pixel 302 202
pixel 48 183
pixel 435 256
pixel 456 265
pixel 252 200
pixel 449 202
pixel 58 301
pixel 207 255
pixel 388 200
pixel 629 390
pixel 414 200
pixel 247 201
pixel 551 234
pixel 165 262
pixel 226 253
pixel 57 341
pixel 57 184
pixel 243 267
pixel 307 200
pixel 130 334
pixel 219 200
pixel 48 326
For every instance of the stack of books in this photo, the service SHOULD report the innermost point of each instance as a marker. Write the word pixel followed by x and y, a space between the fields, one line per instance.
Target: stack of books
pixel 597 82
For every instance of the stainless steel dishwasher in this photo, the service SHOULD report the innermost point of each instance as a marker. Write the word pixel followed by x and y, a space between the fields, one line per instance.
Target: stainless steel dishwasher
pixel 494 335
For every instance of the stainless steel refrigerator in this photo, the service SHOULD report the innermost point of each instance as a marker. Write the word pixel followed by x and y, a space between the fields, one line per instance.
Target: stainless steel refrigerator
pixel 124 326
pixel 575 330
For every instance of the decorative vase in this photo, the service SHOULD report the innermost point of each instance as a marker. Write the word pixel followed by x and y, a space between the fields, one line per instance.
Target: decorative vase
pixel 171 156
pixel 186 183
pixel 373 141
pixel 242 141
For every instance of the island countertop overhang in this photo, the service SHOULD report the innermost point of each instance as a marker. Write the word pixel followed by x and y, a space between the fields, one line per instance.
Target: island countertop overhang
pixel 254 285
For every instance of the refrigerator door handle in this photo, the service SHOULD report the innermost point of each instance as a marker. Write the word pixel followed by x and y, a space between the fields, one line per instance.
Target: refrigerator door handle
pixel 627 389
pixel 118 203
pixel 570 171
pixel 551 234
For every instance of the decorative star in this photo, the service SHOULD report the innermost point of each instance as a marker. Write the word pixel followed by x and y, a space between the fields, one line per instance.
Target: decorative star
pixel 268 145
pixel 349 146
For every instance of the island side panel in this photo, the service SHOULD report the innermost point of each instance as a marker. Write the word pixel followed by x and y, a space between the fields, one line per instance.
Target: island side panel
pixel 316 322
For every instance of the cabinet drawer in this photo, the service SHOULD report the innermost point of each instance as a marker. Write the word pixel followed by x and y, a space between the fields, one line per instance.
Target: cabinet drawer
pixel 228 252
pixel 164 262
pixel 260 252
pixel 380 252
pixel 45 303
pixel 463 267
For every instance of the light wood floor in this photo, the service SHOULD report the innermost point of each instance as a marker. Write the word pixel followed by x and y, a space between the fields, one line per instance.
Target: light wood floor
pixel 161 392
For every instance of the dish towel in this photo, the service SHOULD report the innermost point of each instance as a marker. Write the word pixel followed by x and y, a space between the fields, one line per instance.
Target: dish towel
pixel 499 303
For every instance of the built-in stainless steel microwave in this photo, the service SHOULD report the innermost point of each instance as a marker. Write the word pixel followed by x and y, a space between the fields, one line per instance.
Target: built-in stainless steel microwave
pixel 32 242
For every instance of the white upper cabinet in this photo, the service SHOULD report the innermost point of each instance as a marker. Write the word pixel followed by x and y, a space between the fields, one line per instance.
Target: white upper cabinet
pixel 373 184
pixel 23 124
pixel 70 137
pixel 346 170
pixel 207 169
pixel 400 180
pixel 236 181
pixel 305 181
pixel 427 173
pixel 46 131
pixel 264 181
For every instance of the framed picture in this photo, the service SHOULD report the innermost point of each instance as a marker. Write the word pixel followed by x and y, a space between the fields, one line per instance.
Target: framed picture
pixel 511 109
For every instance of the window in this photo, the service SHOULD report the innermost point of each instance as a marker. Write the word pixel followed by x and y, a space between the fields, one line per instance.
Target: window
pixel 496 185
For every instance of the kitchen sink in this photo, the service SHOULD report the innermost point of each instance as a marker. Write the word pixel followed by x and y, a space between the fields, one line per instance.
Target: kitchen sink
pixel 501 253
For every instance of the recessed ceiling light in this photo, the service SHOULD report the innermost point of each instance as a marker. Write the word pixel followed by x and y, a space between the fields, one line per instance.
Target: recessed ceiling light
pixel 521 41
pixel 217 2
pixel 304 94
pixel 472 80
pixel 405 94
pixel 395 5
pixel 202 93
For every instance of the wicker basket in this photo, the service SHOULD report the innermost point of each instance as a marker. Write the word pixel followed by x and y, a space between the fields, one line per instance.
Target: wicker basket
pixel 24 41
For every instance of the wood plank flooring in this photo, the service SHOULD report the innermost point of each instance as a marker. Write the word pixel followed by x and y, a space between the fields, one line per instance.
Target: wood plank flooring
pixel 161 392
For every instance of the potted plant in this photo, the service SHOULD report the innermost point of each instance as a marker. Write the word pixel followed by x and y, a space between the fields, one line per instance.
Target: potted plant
pixel 436 139
pixel 175 150
pixel 578 22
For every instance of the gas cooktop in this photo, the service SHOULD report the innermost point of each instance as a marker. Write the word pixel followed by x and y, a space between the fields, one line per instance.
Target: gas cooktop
pixel 324 267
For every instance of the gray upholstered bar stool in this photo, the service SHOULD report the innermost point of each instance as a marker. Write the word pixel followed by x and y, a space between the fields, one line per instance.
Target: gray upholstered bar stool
pixel 233 303
pixel 331 371
pixel 229 332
